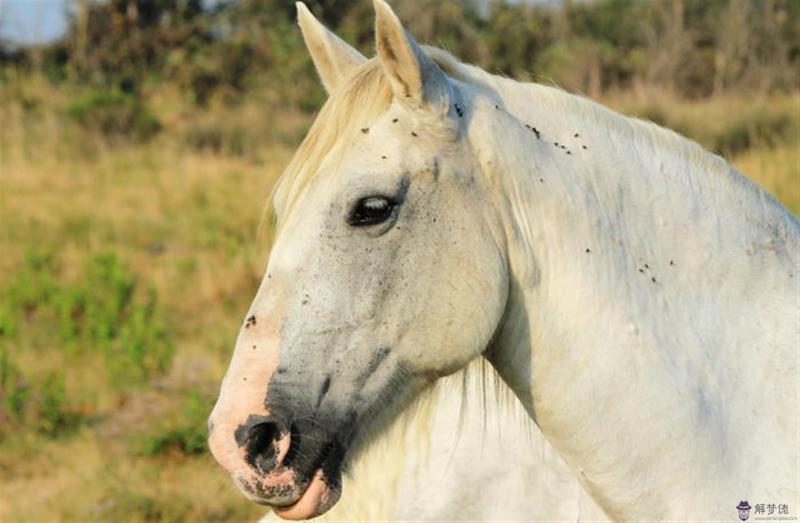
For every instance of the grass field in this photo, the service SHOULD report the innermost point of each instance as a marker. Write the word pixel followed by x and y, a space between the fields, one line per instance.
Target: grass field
pixel 126 267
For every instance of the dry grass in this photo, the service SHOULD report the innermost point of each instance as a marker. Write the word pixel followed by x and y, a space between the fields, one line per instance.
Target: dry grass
pixel 777 169
pixel 184 219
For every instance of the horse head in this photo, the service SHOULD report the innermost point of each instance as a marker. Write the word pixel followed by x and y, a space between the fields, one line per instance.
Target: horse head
pixel 387 272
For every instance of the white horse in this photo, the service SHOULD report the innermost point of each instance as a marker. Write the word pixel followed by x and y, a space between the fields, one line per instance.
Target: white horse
pixel 486 464
pixel 637 294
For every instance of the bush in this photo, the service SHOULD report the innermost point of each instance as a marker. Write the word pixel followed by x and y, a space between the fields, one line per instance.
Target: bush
pixel 30 288
pixel 13 391
pixel 54 416
pixel 45 407
pixel 752 130
pixel 184 433
pixel 219 138
pixel 114 114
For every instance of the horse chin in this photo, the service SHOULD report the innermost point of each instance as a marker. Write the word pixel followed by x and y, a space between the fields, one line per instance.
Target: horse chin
pixel 299 490
pixel 320 495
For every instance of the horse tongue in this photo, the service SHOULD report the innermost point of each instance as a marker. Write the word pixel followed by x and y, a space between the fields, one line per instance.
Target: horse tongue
pixel 316 500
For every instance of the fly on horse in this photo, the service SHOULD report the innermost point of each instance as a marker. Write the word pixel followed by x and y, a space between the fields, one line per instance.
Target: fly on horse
pixel 636 293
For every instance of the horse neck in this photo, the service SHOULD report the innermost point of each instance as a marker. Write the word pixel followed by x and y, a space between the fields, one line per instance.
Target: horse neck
pixel 649 280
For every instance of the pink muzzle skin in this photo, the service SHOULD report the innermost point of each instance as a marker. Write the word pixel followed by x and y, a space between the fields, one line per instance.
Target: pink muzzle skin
pixel 253 459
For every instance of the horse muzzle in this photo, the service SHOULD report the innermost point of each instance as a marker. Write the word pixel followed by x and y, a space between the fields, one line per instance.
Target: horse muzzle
pixel 294 467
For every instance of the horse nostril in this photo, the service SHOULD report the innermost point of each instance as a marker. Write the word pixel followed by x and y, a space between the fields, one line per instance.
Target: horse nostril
pixel 261 449
pixel 259 436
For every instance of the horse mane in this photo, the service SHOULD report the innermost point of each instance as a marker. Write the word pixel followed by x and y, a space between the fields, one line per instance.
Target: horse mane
pixel 643 133
pixel 365 94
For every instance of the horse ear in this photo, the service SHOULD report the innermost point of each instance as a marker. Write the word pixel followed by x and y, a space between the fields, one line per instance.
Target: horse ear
pixel 332 56
pixel 414 78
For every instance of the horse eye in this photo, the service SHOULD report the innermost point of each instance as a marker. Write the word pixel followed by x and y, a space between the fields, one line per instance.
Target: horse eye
pixel 371 211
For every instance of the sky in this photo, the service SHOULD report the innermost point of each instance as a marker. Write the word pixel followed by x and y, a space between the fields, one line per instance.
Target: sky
pixel 25 22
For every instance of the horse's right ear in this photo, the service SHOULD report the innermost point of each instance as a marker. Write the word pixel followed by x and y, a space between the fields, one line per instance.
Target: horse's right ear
pixel 332 56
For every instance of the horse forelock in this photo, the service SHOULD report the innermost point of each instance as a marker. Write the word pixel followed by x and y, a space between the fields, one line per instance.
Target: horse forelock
pixel 361 98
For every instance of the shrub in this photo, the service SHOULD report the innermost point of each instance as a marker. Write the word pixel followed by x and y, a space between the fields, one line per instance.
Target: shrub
pixel 31 288
pixel 114 114
pixel 14 392
pixel 219 138
pixel 184 433
pixel 54 416
pixel 750 130
pixel 45 407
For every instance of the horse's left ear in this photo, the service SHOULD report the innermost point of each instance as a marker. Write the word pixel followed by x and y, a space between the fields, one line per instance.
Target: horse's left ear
pixel 415 80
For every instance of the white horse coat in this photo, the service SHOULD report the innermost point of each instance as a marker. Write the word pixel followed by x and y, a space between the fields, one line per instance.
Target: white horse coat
pixel 637 294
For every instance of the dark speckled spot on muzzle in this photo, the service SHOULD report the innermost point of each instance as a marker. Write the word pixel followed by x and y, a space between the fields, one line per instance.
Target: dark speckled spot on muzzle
pixel 313 447
pixel 320 432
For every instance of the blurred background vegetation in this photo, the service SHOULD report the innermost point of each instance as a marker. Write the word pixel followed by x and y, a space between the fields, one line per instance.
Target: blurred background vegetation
pixel 136 155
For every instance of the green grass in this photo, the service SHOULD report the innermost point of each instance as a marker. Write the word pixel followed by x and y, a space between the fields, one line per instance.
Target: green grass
pixel 183 433
pixel 101 312
pixel 128 264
